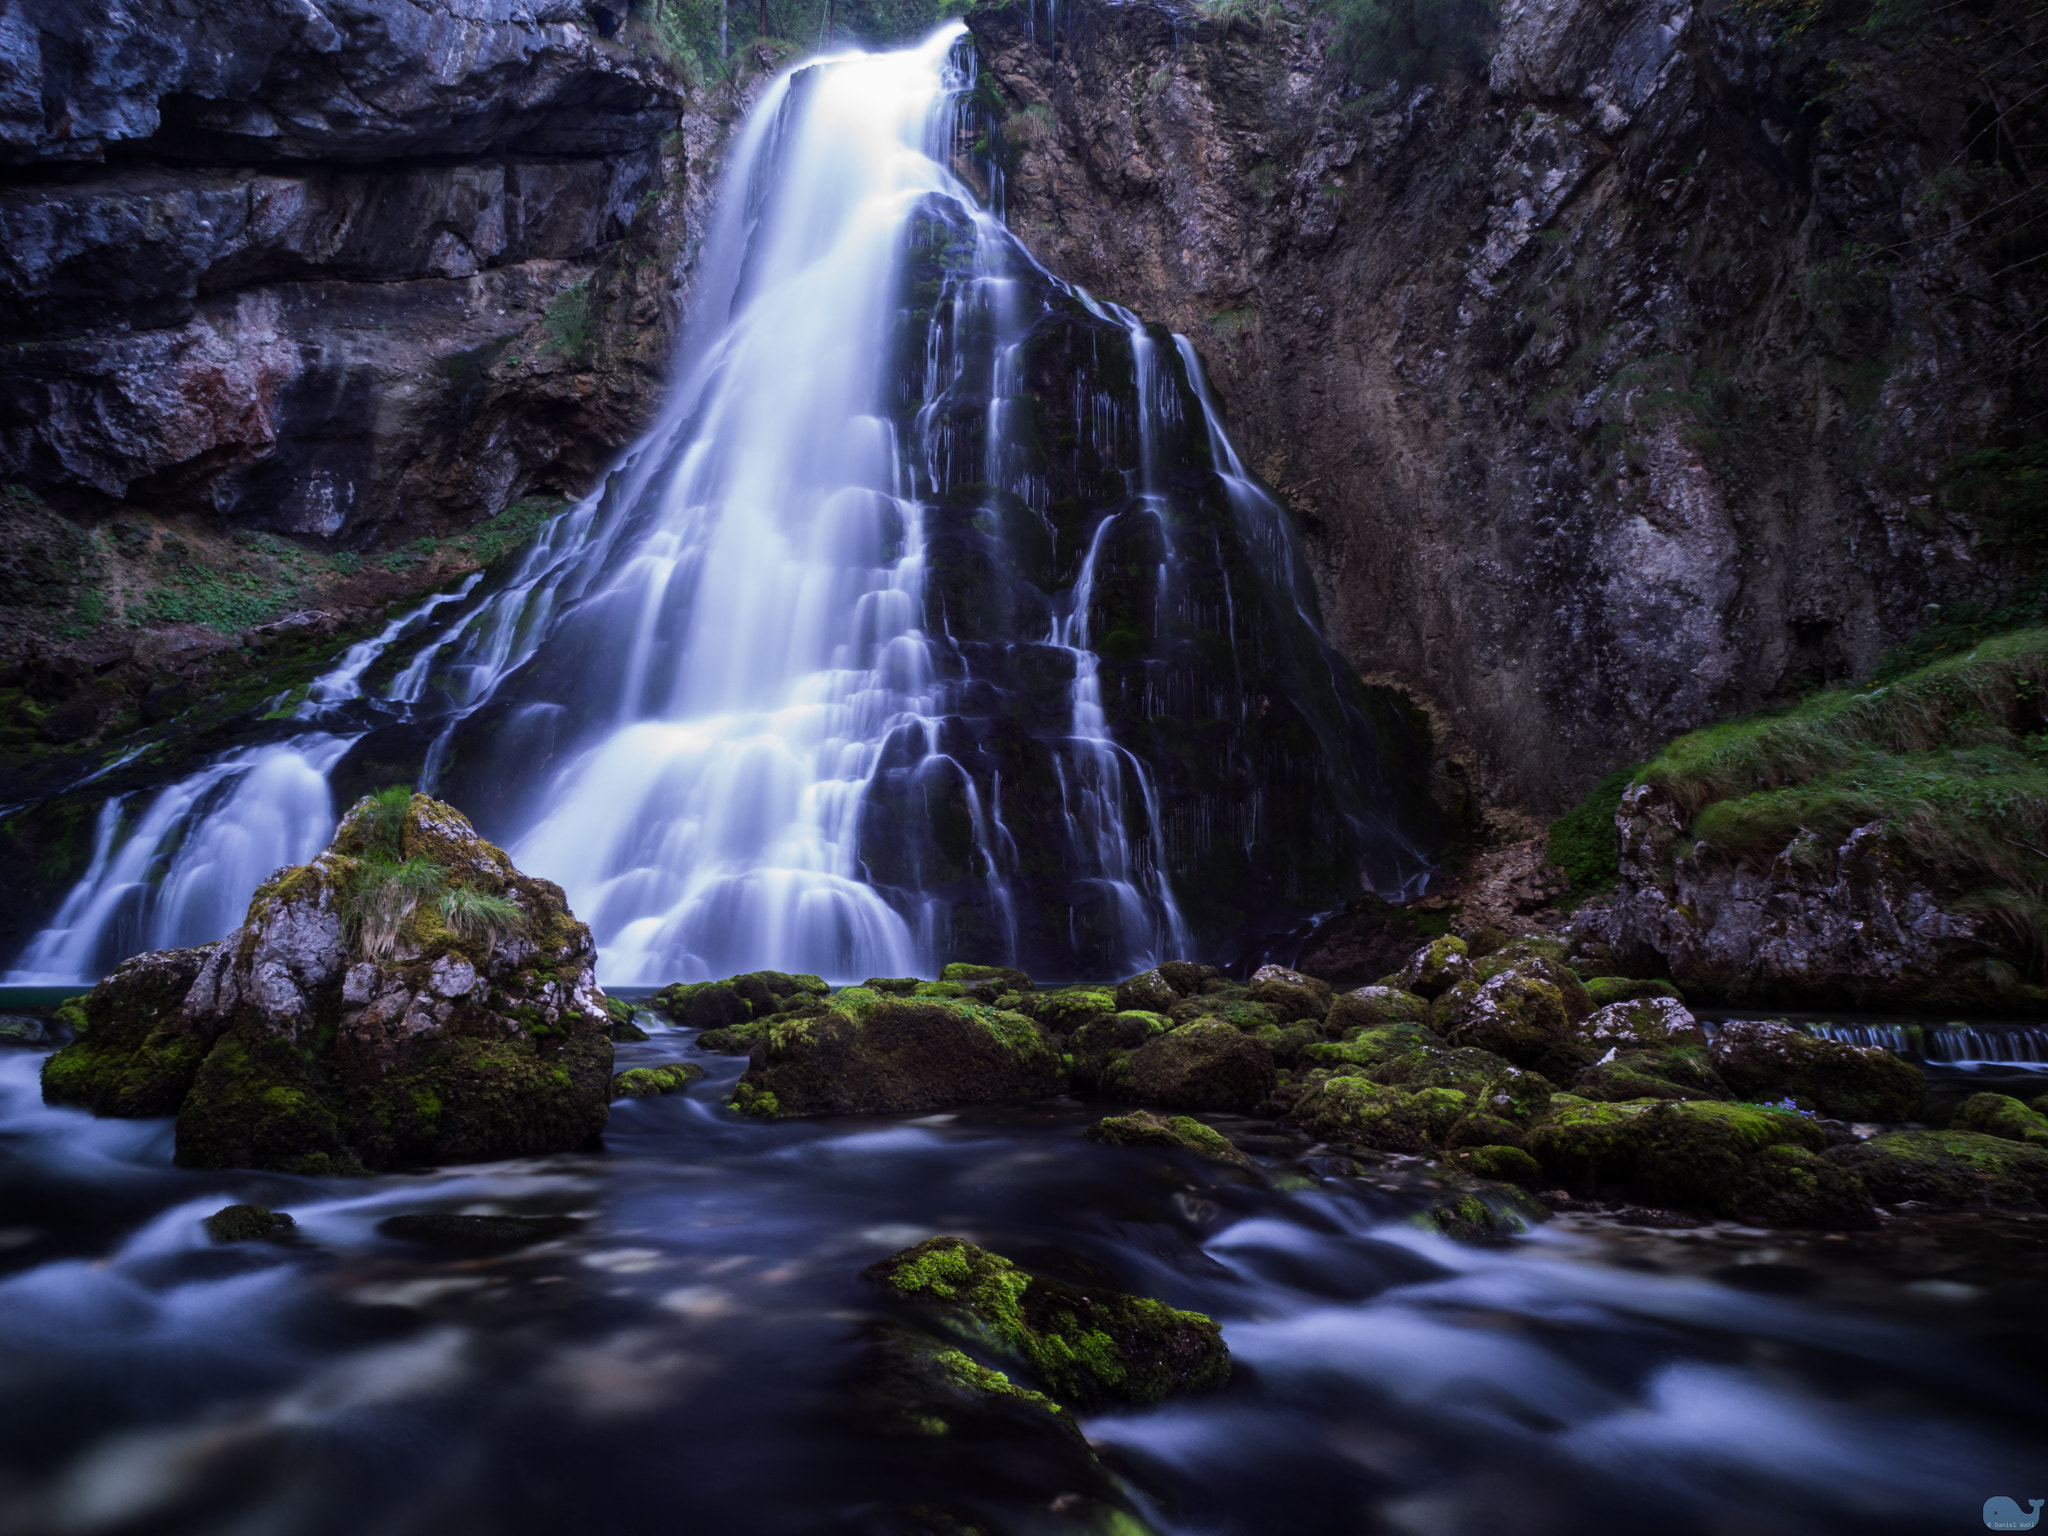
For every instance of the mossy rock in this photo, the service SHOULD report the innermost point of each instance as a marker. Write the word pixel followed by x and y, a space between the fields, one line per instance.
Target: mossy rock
pixel 1481 1129
pixel 1358 1112
pixel 892 986
pixel 1179 1132
pixel 1770 1061
pixel 1287 1042
pixel 1293 996
pixel 1488 1213
pixel 911 1385
pixel 897 1055
pixel 1948 1168
pixel 1605 990
pixel 135 1054
pixel 1679 1073
pixel 624 1030
pixel 1005 978
pixel 1793 1187
pixel 1434 969
pixel 1691 1154
pixel 1370 1007
pixel 1189 978
pixel 1654 1023
pixel 1390 1049
pixel 1067 1009
pixel 1502 1163
pixel 1526 1017
pixel 248 1223
pixel 1146 992
pixel 254 1106
pixel 648 1082
pixel 1520 952
pixel 736 999
pixel 1089 1350
pixel 1208 1064
pixel 2000 1115
pixel 1230 1008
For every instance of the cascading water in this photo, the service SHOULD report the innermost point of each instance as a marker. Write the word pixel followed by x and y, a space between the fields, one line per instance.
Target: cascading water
pixel 937 619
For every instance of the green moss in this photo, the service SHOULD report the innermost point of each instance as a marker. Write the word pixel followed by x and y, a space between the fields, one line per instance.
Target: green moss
pixel 1362 1113
pixel 644 1082
pixel 1090 1349
pixel 1692 1154
pixel 1179 1132
pixel 1369 1007
pixel 2000 1115
pixel 1508 1165
pixel 1583 842
pixel 1602 990
pixel 1948 1168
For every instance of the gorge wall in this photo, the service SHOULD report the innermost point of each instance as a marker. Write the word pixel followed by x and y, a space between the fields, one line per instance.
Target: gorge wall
pixel 1613 393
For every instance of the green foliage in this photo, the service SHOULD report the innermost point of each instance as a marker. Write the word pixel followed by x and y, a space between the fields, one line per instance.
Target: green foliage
pixel 2006 490
pixel 570 324
pixel 227 601
pixel 384 823
pixel 417 552
pixel 1959 627
pixel 1412 40
pixel 1582 840
pixel 511 530
pixel 473 914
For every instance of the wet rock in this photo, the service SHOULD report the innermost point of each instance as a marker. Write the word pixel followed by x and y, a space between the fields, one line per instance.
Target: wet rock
pixel 1208 1064
pixel 1654 1023
pixel 20 1029
pixel 1147 992
pixel 1690 1154
pixel 911 1385
pixel 1359 1112
pixel 1794 1187
pixel 248 1223
pixel 362 1017
pixel 1487 1212
pixel 1369 1007
pixel 735 1000
pixel 1503 1164
pixel 1768 1061
pixel 648 1082
pixel 1948 1168
pixel 867 1054
pixel 1293 996
pixel 1101 1048
pixel 1678 1073
pixel 479 1234
pixel 1434 969
pixel 624 1030
pixel 1181 1133
pixel 136 1051
pixel 1089 1349
pixel 2000 1115
pixel 1604 990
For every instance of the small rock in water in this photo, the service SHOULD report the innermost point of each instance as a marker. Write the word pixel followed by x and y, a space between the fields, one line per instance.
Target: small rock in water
pixel 248 1223
pixel 647 1082
pixel 19 1029
pixel 445 1229
pixel 1180 1132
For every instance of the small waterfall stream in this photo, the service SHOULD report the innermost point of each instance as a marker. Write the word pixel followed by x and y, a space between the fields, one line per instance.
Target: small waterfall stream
pixel 936 618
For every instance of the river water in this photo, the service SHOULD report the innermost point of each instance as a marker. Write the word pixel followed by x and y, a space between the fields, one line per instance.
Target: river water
pixel 674 1344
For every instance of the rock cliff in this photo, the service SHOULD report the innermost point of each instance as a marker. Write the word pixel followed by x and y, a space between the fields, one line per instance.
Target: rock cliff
pixel 354 270
pixel 1613 392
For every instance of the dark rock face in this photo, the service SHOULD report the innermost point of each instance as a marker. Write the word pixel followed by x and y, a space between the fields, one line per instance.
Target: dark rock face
pixel 340 270
pixel 304 1043
pixel 1591 433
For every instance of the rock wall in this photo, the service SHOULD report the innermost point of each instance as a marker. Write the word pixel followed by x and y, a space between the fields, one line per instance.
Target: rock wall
pixel 1612 394
pixel 355 270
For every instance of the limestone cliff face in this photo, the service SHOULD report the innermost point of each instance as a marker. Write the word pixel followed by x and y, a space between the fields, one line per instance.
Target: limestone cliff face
pixel 353 269
pixel 1601 416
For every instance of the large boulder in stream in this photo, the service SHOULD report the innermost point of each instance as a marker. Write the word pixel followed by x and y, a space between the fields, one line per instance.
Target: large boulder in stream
pixel 408 997
pixel 1771 1061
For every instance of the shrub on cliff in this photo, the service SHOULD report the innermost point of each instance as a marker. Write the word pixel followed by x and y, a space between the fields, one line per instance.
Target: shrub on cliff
pixel 1412 40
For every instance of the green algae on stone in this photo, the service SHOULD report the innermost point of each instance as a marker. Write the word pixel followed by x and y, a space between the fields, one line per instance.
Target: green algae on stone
pixel 1690 1154
pixel 1204 1065
pixel 1179 1132
pixel 1793 1187
pixel 2000 1115
pixel 1090 1349
pixel 1502 1164
pixel 135 1055
pixel 1359 1112
pixel 1948 1168
pixel 1768 1061
pixel 646 1082
pixel 248 1223
pixel 1603 990
pixel 1370 1007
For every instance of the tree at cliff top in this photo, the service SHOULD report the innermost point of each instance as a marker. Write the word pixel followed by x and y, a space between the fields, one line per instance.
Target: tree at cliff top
pixel 1412 40
pixel 407 997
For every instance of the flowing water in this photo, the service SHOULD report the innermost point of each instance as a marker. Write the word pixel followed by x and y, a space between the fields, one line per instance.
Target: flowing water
pixel 678 1344
pixel 937 619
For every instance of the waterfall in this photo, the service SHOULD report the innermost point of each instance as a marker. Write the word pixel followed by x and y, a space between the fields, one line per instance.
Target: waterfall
pixel 936 618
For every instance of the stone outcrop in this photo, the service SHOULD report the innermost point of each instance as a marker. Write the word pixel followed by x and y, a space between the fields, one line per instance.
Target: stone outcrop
pixel 362 1018
pixel 1596 423
pixel 1819 926
pixel 352 270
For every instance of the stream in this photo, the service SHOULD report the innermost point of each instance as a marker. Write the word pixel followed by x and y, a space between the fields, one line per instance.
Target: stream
pixel 667 1338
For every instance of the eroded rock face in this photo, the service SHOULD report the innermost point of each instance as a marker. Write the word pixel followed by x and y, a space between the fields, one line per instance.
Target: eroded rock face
pixel 1823 926
pixel 1425 305
pixel 333 267
pixel 289 1047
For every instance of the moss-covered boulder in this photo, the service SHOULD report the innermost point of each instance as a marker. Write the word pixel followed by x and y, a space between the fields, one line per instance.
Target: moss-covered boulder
pixel 1099 1050
pixel 1792 1187
pixel 1064 1010
pixel 1089 1349
pixel 1362 1113
pixel 1770 1061
pixel 875 1055
pixel 1520 952
pixel 1679 1072
pixel 1146 992
pixel 409 997
pixel 1181 1133
pixel 1434 969
pixel 1948 1168
pixel 625 1029
pixel 1692 1154
pixel 1370 1007
pixel 135 1053
pixel 2000 1115
pixel 1604 990
pixel 1502 1164
pixel 248 1223
pixel 736 999
pixel 998 978
pixel 1522 1014
pixel 1287 1043
pixel 1479 1127
pixel 1654 1023
pixel 909 1384
pixel 1296 998
pixel 1208 1064
pixel 650 1082
pixel 1483 1212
